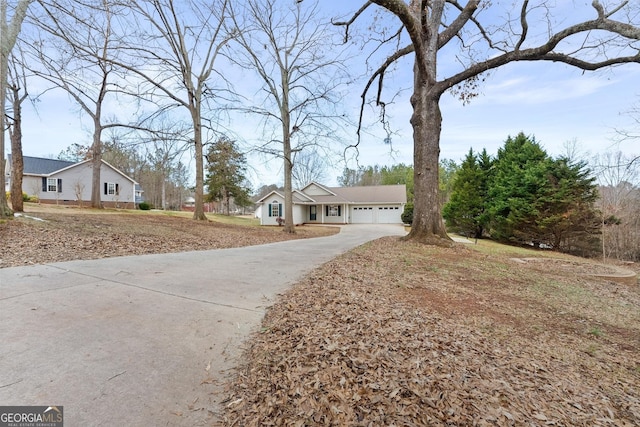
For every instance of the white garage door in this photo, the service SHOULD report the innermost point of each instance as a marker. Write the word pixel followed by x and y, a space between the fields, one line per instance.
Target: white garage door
pixel 376 215
pixel 362 214
pixel 388 215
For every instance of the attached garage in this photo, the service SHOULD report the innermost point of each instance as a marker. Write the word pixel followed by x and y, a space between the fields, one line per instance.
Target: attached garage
pixel 317 204
pixel 389 215
pixel 362 214
pixel 376 215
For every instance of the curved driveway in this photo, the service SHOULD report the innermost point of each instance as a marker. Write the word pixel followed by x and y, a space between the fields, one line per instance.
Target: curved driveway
pixel 145 340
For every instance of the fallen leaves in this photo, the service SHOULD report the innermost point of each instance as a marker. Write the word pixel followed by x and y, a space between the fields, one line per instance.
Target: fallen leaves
pixel 355 344
pixel 70 234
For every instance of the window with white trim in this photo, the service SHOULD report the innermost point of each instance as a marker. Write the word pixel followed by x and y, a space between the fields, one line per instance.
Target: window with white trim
pixel 275 209
pixel 111 189
pixel 52 185
pixel 333 210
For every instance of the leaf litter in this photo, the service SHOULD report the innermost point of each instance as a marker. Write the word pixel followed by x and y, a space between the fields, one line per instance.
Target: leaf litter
pixel 398 333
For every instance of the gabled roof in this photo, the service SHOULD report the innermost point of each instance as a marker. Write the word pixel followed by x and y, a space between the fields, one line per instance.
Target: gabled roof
pixel 46 167
pixel 316 189
pixel 373 193
pixel 350 195
pixel 41 166
pixel 269 195
pixel 298 196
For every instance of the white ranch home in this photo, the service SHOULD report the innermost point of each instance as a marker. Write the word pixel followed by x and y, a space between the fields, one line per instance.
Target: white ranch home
pixel 62 182
pixel 318 204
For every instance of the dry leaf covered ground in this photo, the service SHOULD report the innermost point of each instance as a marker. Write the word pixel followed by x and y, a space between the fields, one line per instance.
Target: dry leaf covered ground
pixel 402 334
pixel 69 233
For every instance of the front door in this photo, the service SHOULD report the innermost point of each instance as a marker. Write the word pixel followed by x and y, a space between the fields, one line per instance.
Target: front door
pixel 313 212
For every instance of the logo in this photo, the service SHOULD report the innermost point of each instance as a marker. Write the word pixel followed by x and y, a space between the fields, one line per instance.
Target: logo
pixel 31 416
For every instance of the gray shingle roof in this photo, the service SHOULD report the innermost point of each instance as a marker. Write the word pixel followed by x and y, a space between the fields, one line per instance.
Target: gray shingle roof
pixel 41 166
pixel 373 193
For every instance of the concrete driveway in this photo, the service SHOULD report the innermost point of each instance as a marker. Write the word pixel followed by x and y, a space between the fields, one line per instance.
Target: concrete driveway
pixel 145 340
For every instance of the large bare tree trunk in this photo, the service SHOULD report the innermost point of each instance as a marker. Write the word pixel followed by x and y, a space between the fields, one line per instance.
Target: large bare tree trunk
pixel 285 114
pixel 8 35
pixel 17 162
pixel 428 226
pixel 96 161
pixel 289 226
pixel 288 164
pixel 198 213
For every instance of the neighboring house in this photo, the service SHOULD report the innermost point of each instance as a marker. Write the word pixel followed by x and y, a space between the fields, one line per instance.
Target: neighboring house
pixel 317 204
pixel 63 182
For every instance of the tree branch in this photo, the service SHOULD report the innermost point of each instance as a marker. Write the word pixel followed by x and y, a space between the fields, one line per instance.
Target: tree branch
pixel 347 24
pixel 545 52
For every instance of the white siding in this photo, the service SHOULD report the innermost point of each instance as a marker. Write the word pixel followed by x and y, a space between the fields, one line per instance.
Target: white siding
pixel 341 219
pixel 266 209
pixel 298 214
pixel 77 179
pixel 32 185
pixel 314 190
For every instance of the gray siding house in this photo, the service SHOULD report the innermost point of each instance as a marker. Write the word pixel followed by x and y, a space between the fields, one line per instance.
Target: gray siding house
pixel 318 204
pixel 63 182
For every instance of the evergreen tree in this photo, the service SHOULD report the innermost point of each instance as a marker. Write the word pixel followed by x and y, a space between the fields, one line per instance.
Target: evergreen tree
pixel 447 171
pixel 466 209
pixel 517 189
pixel 534 199
pixel 226 167
pixel 569 220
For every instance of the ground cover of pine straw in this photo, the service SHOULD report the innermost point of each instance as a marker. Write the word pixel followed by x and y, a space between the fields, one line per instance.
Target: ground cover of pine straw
pixel 402 334
pixel 49 233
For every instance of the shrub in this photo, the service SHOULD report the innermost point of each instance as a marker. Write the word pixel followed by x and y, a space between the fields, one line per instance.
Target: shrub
pixel 407 215
pixel 144 206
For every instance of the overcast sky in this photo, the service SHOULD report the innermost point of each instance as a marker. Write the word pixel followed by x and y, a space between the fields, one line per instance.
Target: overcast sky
pixel 555 103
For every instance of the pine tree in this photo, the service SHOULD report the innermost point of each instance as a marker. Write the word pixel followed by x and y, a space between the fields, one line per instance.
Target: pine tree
pixel 534 199
pixel 226 167
pixel 466 210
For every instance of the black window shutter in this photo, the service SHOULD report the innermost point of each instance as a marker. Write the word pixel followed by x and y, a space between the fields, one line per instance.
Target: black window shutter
pixel 117 188
pixel 339 210
pixel 269 208
pixel 44 184
pixel 59 185
pixel 105 188
pixel 326 210
pixel 280 209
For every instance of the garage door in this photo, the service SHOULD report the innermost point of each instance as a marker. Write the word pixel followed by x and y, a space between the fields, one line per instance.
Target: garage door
pixel 362 214
pixel 388 215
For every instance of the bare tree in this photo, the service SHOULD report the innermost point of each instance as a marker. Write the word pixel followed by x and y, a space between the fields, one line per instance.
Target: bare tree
pixel 619 203
pixel 8 35
pixel 78 189
pixel 632 134
pixel 76 55
pixel 308 166
pixel 290 50
pixel 17 91
pixel 471 34
pixel 175 53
